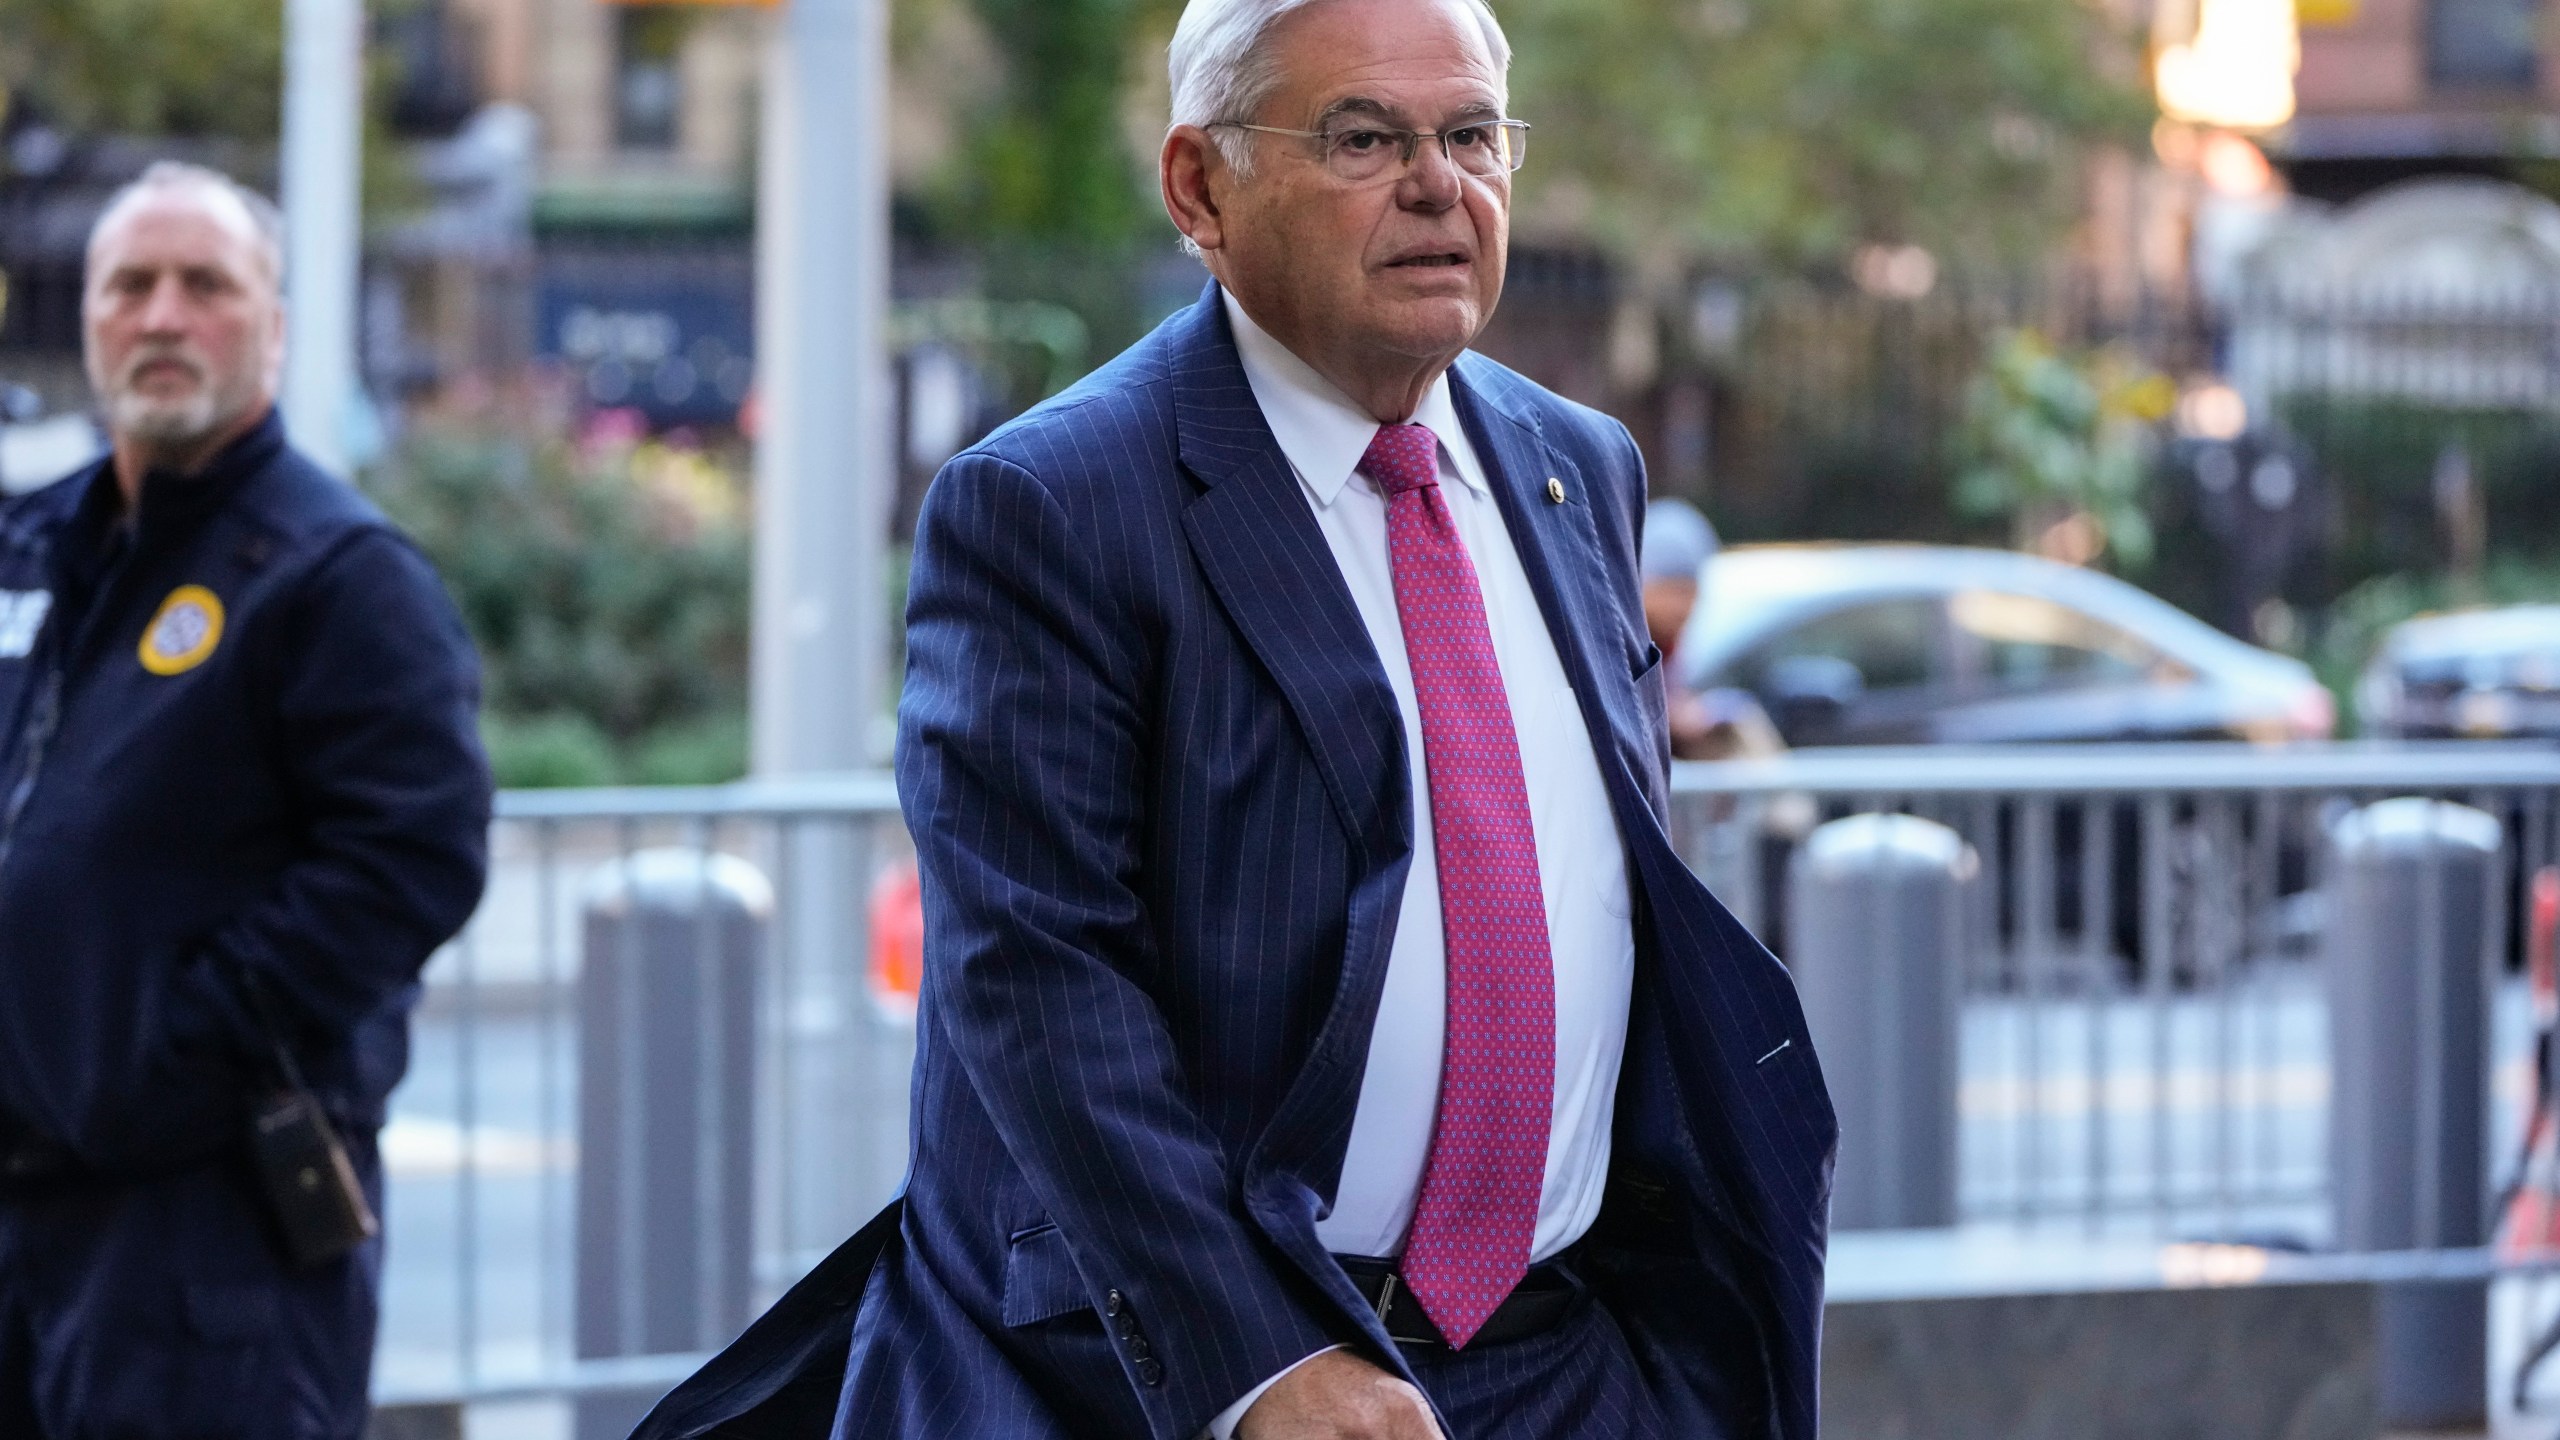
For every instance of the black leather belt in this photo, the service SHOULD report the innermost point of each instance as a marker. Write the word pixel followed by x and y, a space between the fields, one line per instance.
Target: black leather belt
pixel 1537 1305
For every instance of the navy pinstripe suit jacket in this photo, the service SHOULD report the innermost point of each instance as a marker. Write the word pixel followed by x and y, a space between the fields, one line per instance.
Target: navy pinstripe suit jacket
pixel 1158 789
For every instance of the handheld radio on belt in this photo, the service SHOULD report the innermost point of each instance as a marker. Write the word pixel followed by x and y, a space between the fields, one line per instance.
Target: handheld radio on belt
pixel 302 1164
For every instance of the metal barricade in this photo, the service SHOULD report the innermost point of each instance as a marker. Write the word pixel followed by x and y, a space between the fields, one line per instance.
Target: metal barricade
pixel 2142 1040
pixel 497 1281
pixel 2145 1046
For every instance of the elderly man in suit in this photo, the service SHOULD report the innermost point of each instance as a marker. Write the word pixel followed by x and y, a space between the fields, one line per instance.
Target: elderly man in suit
pixel 1320 1036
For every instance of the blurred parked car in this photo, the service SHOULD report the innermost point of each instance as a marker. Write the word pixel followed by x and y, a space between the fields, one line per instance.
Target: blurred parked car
pixel 1914 644
pixel 2481 674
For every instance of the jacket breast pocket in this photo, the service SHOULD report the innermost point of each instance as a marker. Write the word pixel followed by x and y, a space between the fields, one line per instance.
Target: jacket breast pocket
pixel 1040 1278
pixel 1653 699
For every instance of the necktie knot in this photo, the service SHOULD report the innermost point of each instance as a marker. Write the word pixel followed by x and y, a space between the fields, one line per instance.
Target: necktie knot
pixel 1402 458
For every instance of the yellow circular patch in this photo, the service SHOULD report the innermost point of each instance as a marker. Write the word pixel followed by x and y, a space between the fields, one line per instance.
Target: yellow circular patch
pixel 185 631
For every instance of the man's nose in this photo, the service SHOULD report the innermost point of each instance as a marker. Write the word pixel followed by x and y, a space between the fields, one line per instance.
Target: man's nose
pixel 165 309
pixel 1432 181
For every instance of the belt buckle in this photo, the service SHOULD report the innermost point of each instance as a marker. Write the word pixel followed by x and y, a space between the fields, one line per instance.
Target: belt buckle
pixel 1386 1306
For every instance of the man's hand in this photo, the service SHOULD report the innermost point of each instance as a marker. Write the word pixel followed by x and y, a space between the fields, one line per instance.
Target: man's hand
pixel 1339 1396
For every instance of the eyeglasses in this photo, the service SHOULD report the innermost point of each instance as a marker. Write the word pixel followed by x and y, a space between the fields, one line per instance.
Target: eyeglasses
pixel 1358 152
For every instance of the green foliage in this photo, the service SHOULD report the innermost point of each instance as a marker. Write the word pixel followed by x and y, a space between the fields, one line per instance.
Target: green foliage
pixel 1042 187
pixel 1799 129
pixel 548 751
pixel 2378 457
pixel 157 67
pixel 200 69
pixel 1763 129
pixel 2047 437
pixel 608 593
pixel 712 748
pixel 1045 159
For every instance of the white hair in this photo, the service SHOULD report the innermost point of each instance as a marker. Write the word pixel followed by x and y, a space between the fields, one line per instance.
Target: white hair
pixel 1222 72
pixel 266 222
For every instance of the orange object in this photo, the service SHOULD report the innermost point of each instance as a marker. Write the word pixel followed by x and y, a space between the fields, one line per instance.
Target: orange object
pixel 2543 927
pixel 897 936
pixel 2532 1221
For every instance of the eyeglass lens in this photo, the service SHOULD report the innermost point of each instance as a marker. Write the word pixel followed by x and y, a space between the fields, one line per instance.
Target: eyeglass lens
pixel 1363 152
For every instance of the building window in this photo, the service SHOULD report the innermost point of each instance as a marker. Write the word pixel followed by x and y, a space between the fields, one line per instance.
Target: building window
pixel 2482 44
pixel 648 93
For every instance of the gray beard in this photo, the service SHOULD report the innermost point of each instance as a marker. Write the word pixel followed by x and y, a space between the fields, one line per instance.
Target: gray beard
pixel 167 424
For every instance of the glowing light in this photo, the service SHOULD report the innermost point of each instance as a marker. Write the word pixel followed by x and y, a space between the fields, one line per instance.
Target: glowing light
pixel 2213 411
pixel 1902 272
pixel 2177 145
pixel 2192 1266
pixel 2237 73
pixel 2234 167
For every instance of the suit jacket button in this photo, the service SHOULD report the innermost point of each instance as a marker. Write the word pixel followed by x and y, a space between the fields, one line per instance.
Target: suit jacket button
pixel 1150 1372
pixel 1126 1324
pixel 1114 1302
pixel 1139 1349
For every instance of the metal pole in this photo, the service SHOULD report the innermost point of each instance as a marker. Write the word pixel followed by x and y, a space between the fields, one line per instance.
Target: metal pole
pixel 2413 884
pixel 824 473
pixel 667 1001
pixel 823 455
pixel 322 184
pixel 1876 940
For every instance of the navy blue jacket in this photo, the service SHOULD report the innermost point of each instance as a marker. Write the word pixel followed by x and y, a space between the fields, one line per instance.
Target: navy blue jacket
pixel 1156 779
pixel 238 754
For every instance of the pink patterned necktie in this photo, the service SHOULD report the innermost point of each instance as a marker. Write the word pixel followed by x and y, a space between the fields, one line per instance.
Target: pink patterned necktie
pixel 1479 1208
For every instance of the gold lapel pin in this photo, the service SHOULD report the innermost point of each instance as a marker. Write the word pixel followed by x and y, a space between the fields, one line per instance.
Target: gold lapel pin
pixel 1555 491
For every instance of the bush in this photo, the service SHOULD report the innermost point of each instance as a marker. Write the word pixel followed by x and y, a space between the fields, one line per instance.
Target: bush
pixel 548 750
pixel 607 587
pixel 2059 446
pixel 2380 456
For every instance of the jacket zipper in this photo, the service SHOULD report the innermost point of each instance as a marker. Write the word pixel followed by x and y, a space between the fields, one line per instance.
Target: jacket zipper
pixel 48 702
pixel 48 716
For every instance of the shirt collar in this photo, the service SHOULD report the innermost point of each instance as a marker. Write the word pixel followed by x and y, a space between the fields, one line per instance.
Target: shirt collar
pixel 1321 431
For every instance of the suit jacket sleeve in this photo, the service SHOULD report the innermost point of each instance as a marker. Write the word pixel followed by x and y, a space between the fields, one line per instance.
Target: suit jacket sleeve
pixel 1023 753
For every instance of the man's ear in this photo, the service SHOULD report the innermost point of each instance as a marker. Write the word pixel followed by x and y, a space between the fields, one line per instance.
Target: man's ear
pixel 276 331
pixel 1191 169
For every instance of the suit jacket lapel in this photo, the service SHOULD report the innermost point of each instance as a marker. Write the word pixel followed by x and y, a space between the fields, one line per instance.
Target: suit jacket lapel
pixel 1559 548
pixel 1741 1040
pixel 1267 561
pixel 1263 554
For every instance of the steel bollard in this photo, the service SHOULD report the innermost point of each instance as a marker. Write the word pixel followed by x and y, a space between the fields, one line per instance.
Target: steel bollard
pixel 666 1069
pixel 2414 890
pixel 1876 920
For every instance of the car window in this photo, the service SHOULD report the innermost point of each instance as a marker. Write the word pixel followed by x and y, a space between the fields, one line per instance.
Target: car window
pixel 1891 642
pixel 2026 642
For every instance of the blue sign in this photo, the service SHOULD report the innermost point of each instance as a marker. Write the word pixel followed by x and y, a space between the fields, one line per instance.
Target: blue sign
pixel 667 332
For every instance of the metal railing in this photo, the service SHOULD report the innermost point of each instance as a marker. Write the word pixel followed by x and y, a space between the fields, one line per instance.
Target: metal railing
pixel 487 1291
pixel 2145 1041
pixel 2143 1046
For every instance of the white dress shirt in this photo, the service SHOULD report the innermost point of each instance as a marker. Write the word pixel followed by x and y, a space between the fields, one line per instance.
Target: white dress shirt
pixel 1581 858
